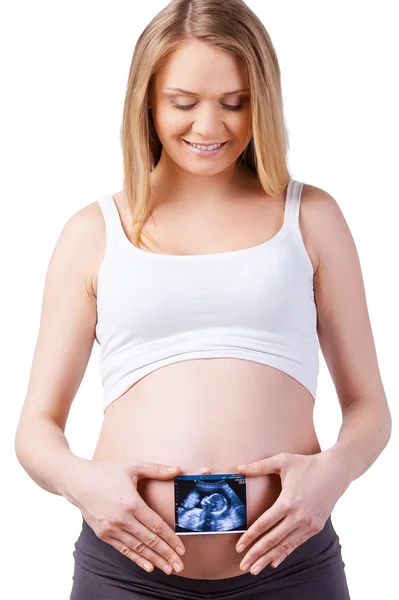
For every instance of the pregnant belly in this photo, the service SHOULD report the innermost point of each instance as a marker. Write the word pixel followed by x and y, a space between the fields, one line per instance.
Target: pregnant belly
pixel 217 413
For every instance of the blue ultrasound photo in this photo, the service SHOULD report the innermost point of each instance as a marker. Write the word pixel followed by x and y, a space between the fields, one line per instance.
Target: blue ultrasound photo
pixel 210 503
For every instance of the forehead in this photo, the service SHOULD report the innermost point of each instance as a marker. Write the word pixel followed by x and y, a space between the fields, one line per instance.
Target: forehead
pixel 202 69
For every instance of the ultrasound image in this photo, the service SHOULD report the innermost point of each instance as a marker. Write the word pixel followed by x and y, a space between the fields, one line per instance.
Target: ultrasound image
pixel 210 503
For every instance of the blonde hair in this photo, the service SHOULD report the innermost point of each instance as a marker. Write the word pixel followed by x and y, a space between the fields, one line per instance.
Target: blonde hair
pixel 228 25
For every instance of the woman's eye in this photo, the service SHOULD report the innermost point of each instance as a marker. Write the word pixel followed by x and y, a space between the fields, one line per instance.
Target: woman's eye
pixel 188 106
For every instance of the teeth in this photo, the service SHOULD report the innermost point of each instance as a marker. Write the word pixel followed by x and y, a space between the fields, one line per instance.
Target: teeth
pixel 213 147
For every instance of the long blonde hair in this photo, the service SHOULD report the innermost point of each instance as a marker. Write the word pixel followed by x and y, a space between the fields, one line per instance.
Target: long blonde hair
pixel 228 25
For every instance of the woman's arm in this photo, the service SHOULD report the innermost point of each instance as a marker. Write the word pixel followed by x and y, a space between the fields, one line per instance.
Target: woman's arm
pixel 43 451
pixel 63 348
pixel 346 338
pixel 365 431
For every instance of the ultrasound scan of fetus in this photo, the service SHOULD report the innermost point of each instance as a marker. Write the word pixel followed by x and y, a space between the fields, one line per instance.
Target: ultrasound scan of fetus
pixel 210 503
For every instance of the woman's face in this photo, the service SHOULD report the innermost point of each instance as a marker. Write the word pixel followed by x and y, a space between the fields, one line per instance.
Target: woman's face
pixel 203 113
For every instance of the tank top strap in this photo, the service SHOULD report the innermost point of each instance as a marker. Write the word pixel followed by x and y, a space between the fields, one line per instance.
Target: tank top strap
pixel 111 217
pixel 293 204
pixel 293 201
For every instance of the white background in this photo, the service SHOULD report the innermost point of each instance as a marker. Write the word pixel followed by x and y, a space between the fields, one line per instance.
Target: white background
pixel 64 73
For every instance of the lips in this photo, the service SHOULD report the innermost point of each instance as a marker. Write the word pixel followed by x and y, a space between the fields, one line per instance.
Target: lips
pixel 213 143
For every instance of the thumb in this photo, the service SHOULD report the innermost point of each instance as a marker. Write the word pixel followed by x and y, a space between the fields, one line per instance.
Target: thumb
pixel 206 470
pixel 263 466
pixel 155 470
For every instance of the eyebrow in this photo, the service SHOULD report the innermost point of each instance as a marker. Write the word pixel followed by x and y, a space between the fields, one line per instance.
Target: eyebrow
pixel 195 94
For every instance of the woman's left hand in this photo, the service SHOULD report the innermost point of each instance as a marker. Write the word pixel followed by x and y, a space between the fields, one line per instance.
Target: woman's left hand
pixel 311 486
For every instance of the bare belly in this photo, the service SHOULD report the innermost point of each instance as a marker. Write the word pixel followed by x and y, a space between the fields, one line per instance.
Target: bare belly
pixel 210 412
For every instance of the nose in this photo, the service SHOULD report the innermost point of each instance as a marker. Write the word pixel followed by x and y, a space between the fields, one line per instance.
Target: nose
pixel 208 125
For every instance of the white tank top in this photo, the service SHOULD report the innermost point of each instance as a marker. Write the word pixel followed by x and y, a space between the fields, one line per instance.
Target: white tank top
pixel 254 304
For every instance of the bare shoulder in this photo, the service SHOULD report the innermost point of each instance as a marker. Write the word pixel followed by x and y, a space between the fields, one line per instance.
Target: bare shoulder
pixel 68 318
pixel 85 233
pixel 343 321
pixel 322 223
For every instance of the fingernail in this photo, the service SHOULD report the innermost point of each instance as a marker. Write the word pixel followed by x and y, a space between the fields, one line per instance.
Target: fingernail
pixel 242 467
pixel 177 567
pixel 256 570
pixel 240 548
pixel 245 567
pixel 168 569
pixel 179 550
pixel 171 469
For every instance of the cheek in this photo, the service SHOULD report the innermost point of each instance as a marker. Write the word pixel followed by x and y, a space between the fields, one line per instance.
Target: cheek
pixel 245 137
pixel 172 125
pixel 169 132
pixel 169 123
pixel 246 128
pixel 174 128
pixel 240 126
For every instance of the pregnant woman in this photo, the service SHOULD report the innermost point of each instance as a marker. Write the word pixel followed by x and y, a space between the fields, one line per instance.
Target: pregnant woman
pixel 209 334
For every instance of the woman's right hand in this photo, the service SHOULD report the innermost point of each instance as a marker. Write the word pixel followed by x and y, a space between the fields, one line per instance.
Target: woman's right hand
pixel 105 491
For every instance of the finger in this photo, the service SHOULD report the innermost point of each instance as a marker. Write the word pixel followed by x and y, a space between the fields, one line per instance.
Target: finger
pixel 268 542
pixel 148 526
pixel 142 540
pixel 134 549
pixel 154 522
pixel 143 469
pixel 277 555
pixel 139 559
pixel 267 520
pixel 206 470
pixel 264 466
pixel 131 554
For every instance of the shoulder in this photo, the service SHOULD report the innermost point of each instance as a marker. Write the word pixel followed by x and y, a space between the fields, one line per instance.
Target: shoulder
pixel 322 223
pixel 85 227
pixel 83 239
pixel 317 198
pixel 84 217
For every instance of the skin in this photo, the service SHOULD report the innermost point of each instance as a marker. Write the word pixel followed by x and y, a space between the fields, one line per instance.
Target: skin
pixel 198 200
pixel 208 206
pixel 186 180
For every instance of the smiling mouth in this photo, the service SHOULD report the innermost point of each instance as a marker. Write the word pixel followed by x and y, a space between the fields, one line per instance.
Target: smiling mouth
pixel 201 144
